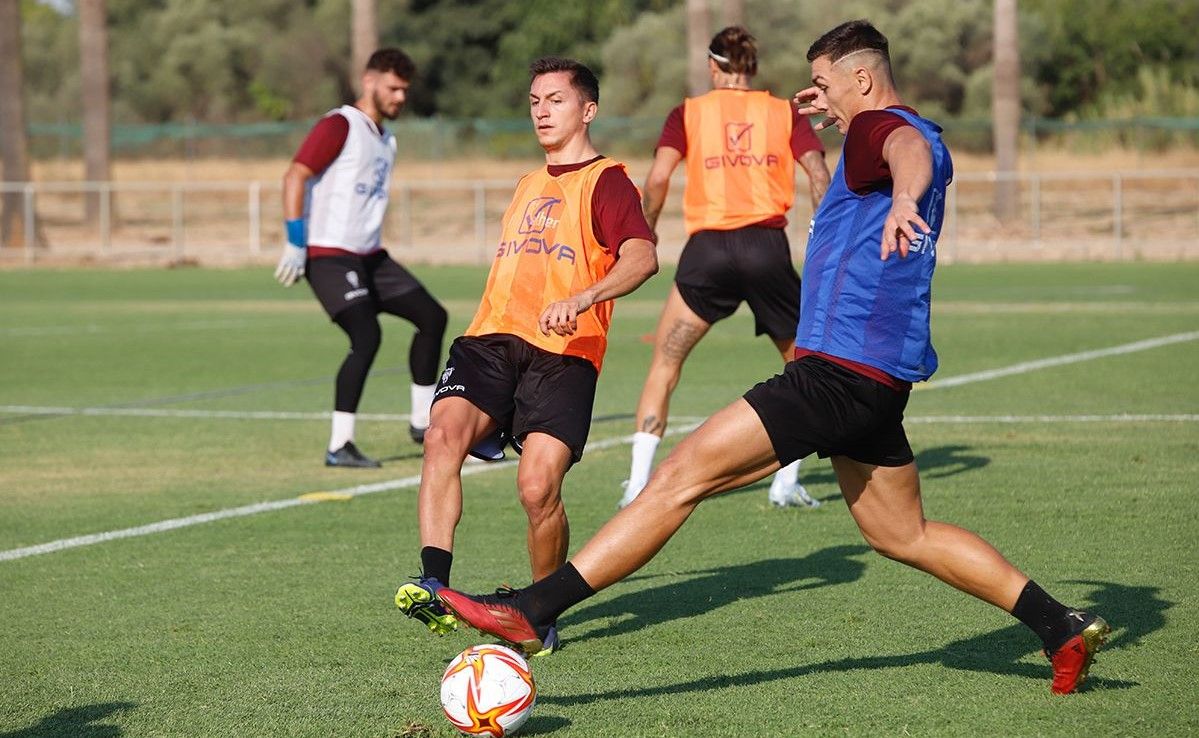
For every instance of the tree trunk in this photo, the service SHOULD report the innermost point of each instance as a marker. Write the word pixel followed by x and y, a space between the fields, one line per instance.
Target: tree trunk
pixel 364 39
pixel 1005 110
pixel 733 12
pixel 14 141
pixel 699 35
pixel 96 94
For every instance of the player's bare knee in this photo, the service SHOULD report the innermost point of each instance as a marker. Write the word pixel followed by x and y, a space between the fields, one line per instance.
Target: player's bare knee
pixel 897 548
pixel 442 443
pixel 540 494
pixel 670 483
pixel 885 549
pixel 667 473
pixel 534 480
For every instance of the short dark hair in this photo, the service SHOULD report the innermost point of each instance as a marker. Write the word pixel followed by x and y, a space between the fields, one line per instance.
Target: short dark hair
pixel 581 78
pixel 735 51
pixel 392 60
pixel 845 39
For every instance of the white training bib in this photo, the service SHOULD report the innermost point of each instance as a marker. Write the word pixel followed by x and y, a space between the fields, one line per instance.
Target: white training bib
pixel 345 205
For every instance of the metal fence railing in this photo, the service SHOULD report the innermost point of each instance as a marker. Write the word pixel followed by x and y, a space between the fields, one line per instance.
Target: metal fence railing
pixel 1060 216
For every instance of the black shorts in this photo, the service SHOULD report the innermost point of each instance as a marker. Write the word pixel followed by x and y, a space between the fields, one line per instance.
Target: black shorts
pixel 818 406
pixel 523 388
pixel 340 282
pixel 720 269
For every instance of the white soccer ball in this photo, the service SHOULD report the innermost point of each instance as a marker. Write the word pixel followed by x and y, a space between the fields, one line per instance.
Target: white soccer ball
pixel 488 690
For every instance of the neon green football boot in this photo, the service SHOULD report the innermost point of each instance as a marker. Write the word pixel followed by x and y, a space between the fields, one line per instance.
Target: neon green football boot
pixel 419 600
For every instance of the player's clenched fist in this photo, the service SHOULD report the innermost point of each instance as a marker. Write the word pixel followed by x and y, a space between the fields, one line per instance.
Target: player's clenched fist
pixel 561 317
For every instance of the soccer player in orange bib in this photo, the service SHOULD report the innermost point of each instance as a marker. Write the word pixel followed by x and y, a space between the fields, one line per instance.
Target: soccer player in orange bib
pixel 740 146
pixel 574 238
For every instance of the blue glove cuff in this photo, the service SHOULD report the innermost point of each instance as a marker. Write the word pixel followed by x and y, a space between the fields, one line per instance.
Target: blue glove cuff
pixel 297 232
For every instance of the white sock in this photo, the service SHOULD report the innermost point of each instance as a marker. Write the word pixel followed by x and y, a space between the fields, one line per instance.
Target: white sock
pixel 644 446
pixel 343 430
pixel 785 479
pixel 422 401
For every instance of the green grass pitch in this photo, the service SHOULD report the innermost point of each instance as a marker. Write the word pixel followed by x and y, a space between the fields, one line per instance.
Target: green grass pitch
pixel 752 622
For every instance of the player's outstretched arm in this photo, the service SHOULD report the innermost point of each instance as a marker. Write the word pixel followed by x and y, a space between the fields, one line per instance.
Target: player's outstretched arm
pixel 657 183
pixel 638 262
pixel 910 158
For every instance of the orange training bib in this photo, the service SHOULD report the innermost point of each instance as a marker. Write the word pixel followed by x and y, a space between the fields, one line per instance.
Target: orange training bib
pixel 548 252
pixel 740 169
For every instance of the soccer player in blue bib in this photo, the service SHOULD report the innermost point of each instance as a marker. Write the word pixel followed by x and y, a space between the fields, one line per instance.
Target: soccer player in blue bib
pixel 863 337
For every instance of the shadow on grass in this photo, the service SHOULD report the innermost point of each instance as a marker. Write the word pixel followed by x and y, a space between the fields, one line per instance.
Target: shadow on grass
pixel 934 463
pixel 946 461
pixel 75 722
pixel 715 588
pixel 1134 612
pixel 544 724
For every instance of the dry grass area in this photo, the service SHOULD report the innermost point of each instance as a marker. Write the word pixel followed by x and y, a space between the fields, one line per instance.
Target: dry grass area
pixel 440 215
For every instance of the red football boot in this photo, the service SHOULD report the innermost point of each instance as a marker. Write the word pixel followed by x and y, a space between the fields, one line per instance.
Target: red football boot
pixel 496 615
pixel 1073 659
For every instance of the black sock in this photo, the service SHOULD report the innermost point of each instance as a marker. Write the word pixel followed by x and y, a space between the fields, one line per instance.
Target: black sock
pixel 435 563
pixel 1047 617
pixel 544 600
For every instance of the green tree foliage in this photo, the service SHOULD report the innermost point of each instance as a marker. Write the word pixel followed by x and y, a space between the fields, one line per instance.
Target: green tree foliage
pixel 231 60
pixel 955 36
pixel 50 46
pixel 211 60
pixel 645 66
pixel 474 55
pixel 1098 46
pixel 941 52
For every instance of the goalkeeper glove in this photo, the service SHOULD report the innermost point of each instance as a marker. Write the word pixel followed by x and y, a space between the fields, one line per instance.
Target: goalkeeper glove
pixel 295 253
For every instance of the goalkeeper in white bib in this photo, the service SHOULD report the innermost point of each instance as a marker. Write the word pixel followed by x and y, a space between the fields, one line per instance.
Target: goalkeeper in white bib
pixel 335 195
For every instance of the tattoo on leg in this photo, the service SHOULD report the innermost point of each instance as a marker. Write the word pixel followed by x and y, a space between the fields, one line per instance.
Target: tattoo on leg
pixel 652 425
pixel 680 340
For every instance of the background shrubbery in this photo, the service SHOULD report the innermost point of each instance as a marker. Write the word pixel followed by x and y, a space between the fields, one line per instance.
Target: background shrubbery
pixel 232 61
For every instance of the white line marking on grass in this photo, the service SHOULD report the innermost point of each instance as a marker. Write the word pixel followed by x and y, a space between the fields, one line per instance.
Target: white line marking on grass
pixel 52 412
pixel 94 329
pixel 1029 366
pixel 236 512
pixel 151 412
pixel 261 507
pixel 1119 418
pixel 144 412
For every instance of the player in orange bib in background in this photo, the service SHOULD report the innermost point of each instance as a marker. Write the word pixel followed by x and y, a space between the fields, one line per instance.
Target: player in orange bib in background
pixel 574 238
pixel 740 146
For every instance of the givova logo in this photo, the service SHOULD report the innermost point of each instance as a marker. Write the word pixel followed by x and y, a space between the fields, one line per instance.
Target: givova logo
pixel 539 227
pixel 738 136
pixel 539 215
pixel 444 386
pixel 738 145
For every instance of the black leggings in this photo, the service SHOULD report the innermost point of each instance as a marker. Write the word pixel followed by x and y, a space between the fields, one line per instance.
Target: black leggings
pixel 361 324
